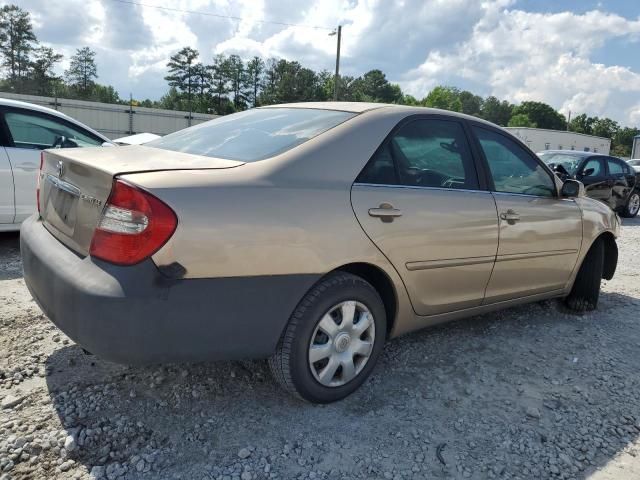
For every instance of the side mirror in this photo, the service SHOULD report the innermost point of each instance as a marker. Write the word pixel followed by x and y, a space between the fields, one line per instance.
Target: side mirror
pixel 572 189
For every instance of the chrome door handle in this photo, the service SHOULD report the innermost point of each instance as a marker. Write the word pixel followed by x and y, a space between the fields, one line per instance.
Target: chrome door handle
pixel 385 212
pixel 510 216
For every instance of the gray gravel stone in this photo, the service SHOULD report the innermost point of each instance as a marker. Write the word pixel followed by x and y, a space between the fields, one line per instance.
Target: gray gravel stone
pixel 10 401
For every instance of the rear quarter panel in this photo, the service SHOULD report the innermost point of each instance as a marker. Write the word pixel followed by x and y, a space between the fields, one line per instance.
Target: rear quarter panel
pixel 288 215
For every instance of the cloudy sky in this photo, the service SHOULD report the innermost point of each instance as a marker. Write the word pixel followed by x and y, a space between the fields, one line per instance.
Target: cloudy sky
pixel 578 55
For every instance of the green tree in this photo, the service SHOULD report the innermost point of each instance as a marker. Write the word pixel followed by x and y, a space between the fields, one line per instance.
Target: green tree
pixel 220 84
pixel 16 42
pixel 470 104
pixel 410 100
pixel 347 86
pixel 237 81
pixel 623 140
pixel 105 94
pixel 605 127
pixel 496 111
pixel 201 87
pixel 289 82
pixel 181 72
pixel 445 98
pixel 43 76
pixel 582 124
pixel 254 79
pixel 173 100
pixel 373 86
pixel 543 115
pixel 82 70
pixel 521 120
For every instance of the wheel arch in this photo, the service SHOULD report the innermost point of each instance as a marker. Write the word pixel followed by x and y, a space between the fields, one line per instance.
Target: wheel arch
pixel 610 254
pixel 379 279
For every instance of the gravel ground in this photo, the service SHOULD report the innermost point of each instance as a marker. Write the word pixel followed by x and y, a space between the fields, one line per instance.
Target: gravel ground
pixel 530 392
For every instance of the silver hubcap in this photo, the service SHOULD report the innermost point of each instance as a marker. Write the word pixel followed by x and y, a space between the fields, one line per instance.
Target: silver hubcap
pixel 341 344
pixel 634 204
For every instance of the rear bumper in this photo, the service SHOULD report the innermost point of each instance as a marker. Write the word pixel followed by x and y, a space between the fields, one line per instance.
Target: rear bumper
pixel 135 315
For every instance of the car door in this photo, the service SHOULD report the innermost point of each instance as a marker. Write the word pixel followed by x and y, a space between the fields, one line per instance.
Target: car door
pixel 7 208
pixel 621 182
pixel 420 201
pixel 28 133
pixel 593 174
pixel 540 233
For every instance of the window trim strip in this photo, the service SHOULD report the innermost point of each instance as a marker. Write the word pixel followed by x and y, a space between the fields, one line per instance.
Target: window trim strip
pixel 415 187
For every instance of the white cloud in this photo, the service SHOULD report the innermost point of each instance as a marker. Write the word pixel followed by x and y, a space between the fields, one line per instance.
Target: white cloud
pixel 488 46
pixel 531 56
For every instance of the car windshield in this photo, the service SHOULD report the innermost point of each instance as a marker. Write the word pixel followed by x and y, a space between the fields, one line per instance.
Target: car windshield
pixel 254 134
pixel 568 161
pixel 634 163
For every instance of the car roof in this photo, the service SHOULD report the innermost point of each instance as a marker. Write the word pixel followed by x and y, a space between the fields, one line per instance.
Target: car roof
pixel 6 102
pixel 32 106
pixel 362 107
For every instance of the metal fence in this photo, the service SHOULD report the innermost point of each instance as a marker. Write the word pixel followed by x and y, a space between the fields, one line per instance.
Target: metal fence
pixel 115 121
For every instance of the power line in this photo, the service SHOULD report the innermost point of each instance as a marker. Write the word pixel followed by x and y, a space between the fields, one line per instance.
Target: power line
pixel 217 15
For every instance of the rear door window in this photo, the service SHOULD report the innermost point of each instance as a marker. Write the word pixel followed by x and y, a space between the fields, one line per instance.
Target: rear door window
pixel 615 166
pixel 424 153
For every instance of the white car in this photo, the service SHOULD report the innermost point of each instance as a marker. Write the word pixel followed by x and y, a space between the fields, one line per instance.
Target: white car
pixel 136 139
pixel 635 163
pixel 25 130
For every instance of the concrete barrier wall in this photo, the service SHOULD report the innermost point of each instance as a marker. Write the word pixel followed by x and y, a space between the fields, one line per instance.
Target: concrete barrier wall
pixel 115 121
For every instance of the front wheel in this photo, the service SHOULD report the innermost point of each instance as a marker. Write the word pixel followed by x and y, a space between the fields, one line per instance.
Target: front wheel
pixel 332 341
pixel 586 288
pixel 633 205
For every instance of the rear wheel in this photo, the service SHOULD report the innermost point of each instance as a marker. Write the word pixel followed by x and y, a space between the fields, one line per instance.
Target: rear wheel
pixel 332 341
pixel 632 207
pixel 586 288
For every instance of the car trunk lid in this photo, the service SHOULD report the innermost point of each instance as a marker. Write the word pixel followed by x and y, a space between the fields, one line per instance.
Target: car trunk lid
pixel 75 184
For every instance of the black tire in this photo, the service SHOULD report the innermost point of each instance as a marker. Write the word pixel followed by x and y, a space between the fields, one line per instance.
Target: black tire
pixel 290 364
pixel 586 288
pixel 631 209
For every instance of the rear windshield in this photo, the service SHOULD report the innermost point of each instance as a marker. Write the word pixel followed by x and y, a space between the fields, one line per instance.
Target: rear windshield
pixel 254 134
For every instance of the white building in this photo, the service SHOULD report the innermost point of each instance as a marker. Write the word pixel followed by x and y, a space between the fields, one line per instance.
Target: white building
pixel 635 151
pixel 539 139
pixel 115 121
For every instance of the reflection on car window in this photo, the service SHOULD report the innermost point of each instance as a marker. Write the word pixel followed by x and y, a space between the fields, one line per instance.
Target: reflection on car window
pixel 39 132
pixel 596 164
pixel 512 168
pixel 254 134
pixel 615 167
pixel 380 169
pixel 427 153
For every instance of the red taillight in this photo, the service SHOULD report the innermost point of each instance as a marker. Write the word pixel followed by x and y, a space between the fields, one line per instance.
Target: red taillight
pixel 134 225
pixel 38 184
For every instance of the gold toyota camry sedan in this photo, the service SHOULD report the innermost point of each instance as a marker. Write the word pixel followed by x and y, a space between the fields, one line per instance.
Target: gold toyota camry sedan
pixel 308 234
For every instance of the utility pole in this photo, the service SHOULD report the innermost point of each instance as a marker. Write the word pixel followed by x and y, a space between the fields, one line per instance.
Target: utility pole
pixel 568 120
pixel 337 77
